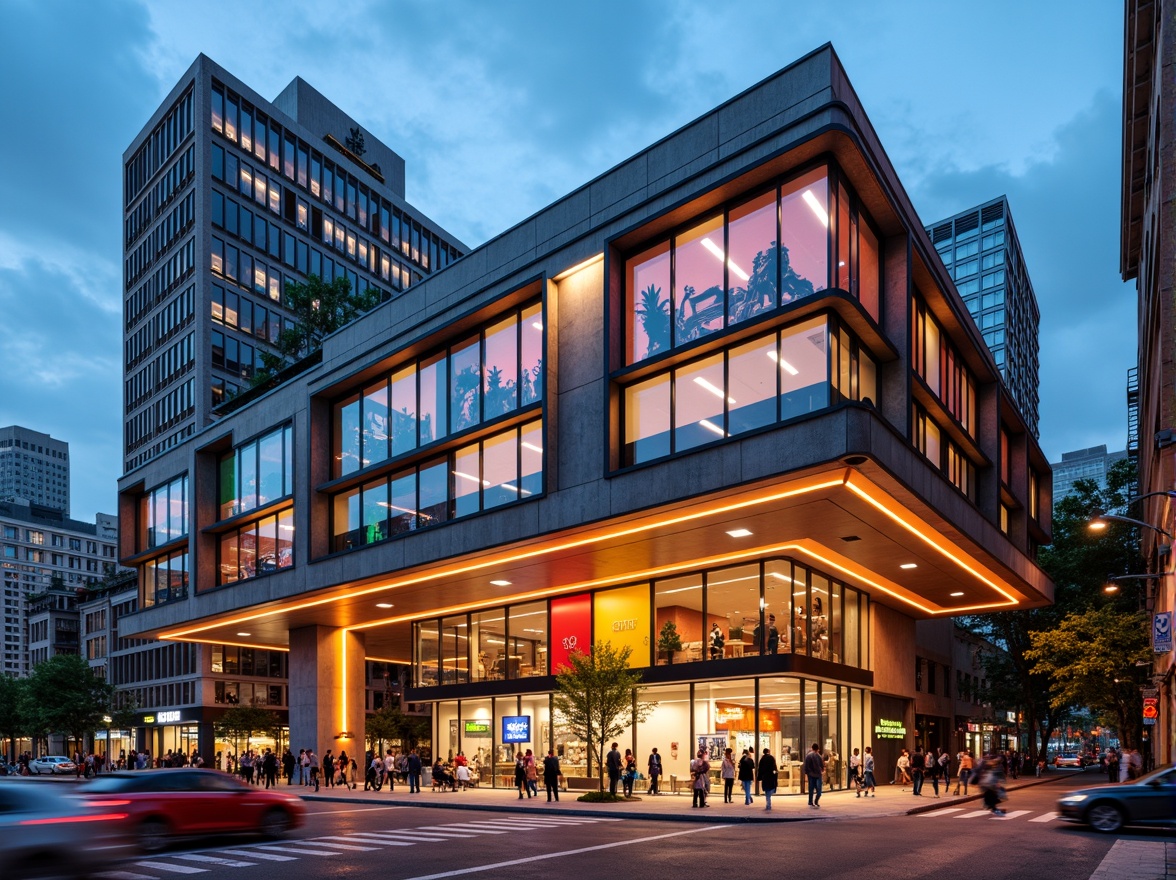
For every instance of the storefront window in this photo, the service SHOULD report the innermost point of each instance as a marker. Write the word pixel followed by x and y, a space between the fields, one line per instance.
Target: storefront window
pixel 751 261
pixel 528 638
pixel 678 602
pixel 489 643
pixel 698 281
pixel 820 601
pixel 427 645
pixel 454 649
pixel 780 708
pixel 732 602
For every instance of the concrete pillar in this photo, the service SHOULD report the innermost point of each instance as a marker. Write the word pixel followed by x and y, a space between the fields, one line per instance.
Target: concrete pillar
pixel 327 691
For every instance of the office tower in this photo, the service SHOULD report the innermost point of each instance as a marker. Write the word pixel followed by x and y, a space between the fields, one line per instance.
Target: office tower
pixel 34 468
pixel 226 197
pixel 1082 464
pixel 981 250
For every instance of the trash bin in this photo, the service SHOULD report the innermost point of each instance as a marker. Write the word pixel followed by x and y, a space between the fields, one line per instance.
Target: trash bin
pixel 427 777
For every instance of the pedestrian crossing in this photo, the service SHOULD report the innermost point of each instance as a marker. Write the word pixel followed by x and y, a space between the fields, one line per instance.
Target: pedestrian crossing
pixel 178 865
pixel 963 813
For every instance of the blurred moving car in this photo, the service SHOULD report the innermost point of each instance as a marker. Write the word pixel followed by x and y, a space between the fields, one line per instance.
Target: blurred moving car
pixel 165 804
pixel 1149 800
pixel 1068 759
pixel 46 833
pixel 52 764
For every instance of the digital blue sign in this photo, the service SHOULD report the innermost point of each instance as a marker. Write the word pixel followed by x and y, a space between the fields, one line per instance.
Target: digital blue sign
pixel 516 728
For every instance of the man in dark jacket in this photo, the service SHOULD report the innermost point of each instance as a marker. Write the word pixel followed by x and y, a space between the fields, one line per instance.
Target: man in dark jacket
pixel 814 769
pixel 414 772
pixel 918 765
pixel 551 773
pixel 613 764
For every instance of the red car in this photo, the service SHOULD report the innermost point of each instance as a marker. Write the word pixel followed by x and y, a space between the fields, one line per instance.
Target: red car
pixel 165 804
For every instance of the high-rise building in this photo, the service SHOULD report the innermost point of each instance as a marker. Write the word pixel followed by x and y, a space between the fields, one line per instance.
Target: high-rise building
pixel 724 391
pixel 34 468
pixel 1082 464
pixel 981 250
pixel 218 217
pixel 44 557
pixel 1147 251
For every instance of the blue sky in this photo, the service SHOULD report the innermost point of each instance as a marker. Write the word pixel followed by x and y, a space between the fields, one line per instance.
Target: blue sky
pixel 500 108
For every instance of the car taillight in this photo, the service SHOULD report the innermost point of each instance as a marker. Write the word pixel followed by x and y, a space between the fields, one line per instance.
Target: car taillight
pixel 121 803
pixel 65 820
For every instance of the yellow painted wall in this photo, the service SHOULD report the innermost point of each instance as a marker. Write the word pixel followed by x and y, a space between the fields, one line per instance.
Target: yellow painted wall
pixel 622 617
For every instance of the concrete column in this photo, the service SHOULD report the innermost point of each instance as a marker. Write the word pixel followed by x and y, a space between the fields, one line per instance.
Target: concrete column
pixel 327 690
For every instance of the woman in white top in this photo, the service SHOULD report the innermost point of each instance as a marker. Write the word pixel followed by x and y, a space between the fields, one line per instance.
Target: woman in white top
pixel 728 773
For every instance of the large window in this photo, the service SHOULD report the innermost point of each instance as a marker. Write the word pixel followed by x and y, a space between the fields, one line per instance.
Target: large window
pixel 752 258
pixel 164 580
pixel 943 452
pixel 256 473
pixel 941 368
pixel 797 370
pixel 491 373
pixel 496 470
pixel 163 515
pixel 260 547
pixel 489 645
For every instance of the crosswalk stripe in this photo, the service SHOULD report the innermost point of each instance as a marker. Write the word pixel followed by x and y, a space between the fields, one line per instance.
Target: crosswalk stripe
pixel 174 869
pixel 302 850
pixel 460 830
pixel 943 812
pixel 125 875
pixel 365 838
pixel 322 841
pixel 1013 815
pixel 973 814
pixel 214 860
pixel 1045 817
pixel 254 854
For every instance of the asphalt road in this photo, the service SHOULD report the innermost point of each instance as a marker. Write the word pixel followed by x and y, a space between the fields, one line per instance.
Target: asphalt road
pixel 362 841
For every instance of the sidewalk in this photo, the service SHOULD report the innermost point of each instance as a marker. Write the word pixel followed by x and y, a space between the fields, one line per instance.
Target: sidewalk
pixel 890 800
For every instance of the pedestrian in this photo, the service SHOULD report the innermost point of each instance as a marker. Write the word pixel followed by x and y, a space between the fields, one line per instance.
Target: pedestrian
pixel 269 769
pixel 1135 764
pixel 654 769
pixel 288 766
pixel 342 765
pixel 413 763
pixel 902 769
pixel 1113 766
pixel 329 768
pixel 746 774
pixel 390 769
pixel 520 775
pixel 814 769
pixel 728 773
pixel 303 764
pixel 314 768
pixel 964 772
pixel 768 777
pixel 918 765
pixel 868 783
pixel 934 770
pixel 855 772
pixel 372 777
pixel 699 778
pixel 613 764
pixel 990 785
pixel 629 773
pixel 462 772
pixel 551 774
pixel 531 769
pixel 945 768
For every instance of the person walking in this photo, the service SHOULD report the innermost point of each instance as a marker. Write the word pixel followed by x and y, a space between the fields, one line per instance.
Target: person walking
pixel 520 775
pixel 531 770
pixel 727 771
pixel 612 763
pixel 746 774
pixel 373 774
pixel 390 769
pixel 314 768
pixel 855 772
pixel 288 763
pixel 551 774
pixel 629 774
pixel 342 765
pixel 329 769
pixel 990 784
pixel 964 771
pixel 413 763
pixel 814 769
pixel 269 767
pixel 868 783
pixel 303 767
pixel 768 775
pixel 653 768
pixel 934 771
pixel 902 769
pixel 699 776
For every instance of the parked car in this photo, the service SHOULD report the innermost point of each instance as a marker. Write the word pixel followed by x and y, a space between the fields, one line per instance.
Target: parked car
pixel 1068 759
pixel 1149 800
pixel 52 764
pixel 41 834
pixel 163 804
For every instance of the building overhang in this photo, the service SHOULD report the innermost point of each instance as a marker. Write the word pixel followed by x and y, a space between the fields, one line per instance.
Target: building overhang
pixel 855 522
pixel 1138 77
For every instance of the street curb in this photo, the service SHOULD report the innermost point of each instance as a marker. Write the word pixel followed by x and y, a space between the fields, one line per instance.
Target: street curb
pixel 960 799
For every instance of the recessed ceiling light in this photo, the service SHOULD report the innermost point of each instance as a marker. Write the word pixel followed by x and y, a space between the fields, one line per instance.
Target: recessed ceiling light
pixel 956 595
pixel 500 583
pixel 383 604
pixel 244 634
pixel 909 565
pixel 740 533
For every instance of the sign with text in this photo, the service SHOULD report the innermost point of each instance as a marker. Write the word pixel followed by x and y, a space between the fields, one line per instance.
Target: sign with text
pixel 1151 709
pixel 477 728
pixel 621 616
pixel 1162 632
pixel 516 728
pixel 887 729
pixel 571 629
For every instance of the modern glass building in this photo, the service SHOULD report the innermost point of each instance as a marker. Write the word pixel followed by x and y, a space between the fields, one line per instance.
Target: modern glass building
pixel 727 385
pixel 981 250
pixel 1083 464
pixel 218 217
pixel 34 468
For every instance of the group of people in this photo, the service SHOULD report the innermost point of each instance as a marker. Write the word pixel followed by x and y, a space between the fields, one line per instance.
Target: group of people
pixel 527 770
pixel 1122 765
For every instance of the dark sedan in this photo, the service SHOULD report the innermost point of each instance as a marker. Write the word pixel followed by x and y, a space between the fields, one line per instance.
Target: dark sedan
pixel 1149 800
pixel 164 804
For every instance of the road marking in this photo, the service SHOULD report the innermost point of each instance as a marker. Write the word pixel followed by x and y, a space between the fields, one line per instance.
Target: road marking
pixel 572 852
pixel 254 854
pixel 973 814
pixel 126 875
pixel 302 850
pixel 215 860
pixel 943 812
pixel 327 809
pixel 373 838
pixel 1013 815
pixel 458 830
pixel 326 841
pixel 1045 817
pixel 175 869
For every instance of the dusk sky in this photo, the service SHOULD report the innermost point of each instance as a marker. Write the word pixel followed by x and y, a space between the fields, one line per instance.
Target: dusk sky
pixel 501 108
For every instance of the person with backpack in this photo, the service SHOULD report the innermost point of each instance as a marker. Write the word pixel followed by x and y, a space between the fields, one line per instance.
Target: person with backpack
pixel 964 771
pixel 934 769
pixel 868 783
pixel 699 779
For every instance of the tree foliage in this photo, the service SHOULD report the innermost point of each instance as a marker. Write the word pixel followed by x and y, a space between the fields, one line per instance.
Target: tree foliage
pixel 64 696
pixel 1091 660
pixel 245 722
pixel 319 309
pixel 388 725
pixel 13 724
pixel 598 697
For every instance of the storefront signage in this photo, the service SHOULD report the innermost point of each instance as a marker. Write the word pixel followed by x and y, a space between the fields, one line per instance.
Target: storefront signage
pixel 887 729
pixel 516 728
pixel 477 728
pixel 733 716
pixel 571 629
pixel 1162 632
pixel 1151 709
pixel 621 616
pixel 169 717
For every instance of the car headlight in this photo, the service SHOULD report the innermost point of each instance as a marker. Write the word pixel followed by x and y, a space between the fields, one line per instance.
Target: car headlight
pixel 1073 799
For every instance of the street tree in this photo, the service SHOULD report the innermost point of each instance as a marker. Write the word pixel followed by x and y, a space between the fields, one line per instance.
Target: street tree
pixel 64 696
pixel 246 722
pixel 390 725
pixel 13 723
pixel 319 308
pixel 1093 659
pixel 598 697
